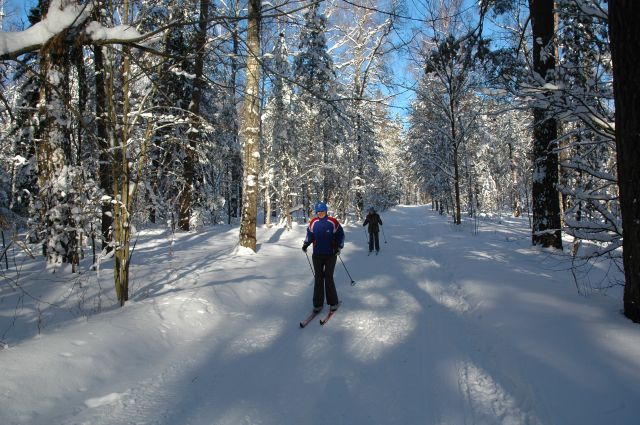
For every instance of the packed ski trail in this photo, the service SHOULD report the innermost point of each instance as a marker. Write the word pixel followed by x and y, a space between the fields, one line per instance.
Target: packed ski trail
pixel 442 327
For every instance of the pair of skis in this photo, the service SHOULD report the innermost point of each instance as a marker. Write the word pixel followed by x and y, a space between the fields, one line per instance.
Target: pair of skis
pixel 313 314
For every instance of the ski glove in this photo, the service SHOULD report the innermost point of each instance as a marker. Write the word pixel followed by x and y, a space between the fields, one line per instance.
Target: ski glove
pixel 305 246
pixel 337 251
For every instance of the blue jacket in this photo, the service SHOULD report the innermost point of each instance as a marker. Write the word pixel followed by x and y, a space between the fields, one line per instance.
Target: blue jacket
pixel 326 234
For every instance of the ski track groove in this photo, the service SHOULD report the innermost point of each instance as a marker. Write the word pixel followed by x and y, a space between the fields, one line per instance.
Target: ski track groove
pixel 483 400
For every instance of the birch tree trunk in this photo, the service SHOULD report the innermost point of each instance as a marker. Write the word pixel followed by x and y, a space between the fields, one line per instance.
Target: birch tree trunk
pixel 625 51
pixel 545 196
pixel 251 130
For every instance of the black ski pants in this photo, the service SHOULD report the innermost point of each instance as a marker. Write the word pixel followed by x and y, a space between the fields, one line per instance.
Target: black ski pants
pixel 323 266
pixel 373 239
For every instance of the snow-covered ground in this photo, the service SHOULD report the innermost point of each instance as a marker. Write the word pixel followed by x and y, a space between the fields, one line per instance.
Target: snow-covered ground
pixel 443 327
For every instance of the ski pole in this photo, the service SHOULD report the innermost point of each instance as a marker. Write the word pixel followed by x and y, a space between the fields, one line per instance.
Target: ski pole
pixel 383 235
pixel 366 234
pixel 353 282
pixel 312 272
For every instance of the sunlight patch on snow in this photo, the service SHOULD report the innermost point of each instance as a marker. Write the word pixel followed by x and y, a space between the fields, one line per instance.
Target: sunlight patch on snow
pixel 483 255
pixel 374 332
pixel 92 403
pixel 404 301
pixel 255 339
pixel 375 300
pixel 186 316
pixel 481 294
pixel 489 402
pixel 423 265
pixel 431 243
pixel 451 296
pixel 159 242
pixel 379 282
pixel 188 304
pixel 150 235
pixel 243 251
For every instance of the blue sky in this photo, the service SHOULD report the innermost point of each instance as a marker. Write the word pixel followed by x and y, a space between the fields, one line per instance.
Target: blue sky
pixel 15 13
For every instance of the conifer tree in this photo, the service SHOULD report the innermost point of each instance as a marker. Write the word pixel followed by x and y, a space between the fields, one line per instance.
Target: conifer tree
pixel 625 49
pixel 278 125
pixel 315 108
pixel 193 132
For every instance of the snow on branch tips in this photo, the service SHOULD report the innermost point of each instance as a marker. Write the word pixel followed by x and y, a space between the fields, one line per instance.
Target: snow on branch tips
pixel 62 14
pixel 98 32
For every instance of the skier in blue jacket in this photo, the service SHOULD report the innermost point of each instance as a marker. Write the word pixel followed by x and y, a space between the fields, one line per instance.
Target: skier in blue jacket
pixel 327 237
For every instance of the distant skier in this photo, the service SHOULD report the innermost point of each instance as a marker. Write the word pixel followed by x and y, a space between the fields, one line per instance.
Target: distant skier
pixel 374 222
pixel 327 237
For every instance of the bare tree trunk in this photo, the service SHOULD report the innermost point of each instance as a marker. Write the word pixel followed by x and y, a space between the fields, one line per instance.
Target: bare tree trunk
pixel 457 219
pixel 625 50
pixel 545 196
pixel 251 130
pixel 105 157
pixel 122 215
pixel 122 173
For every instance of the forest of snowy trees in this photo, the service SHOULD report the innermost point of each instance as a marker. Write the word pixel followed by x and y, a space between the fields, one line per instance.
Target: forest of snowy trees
pixel 188 113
